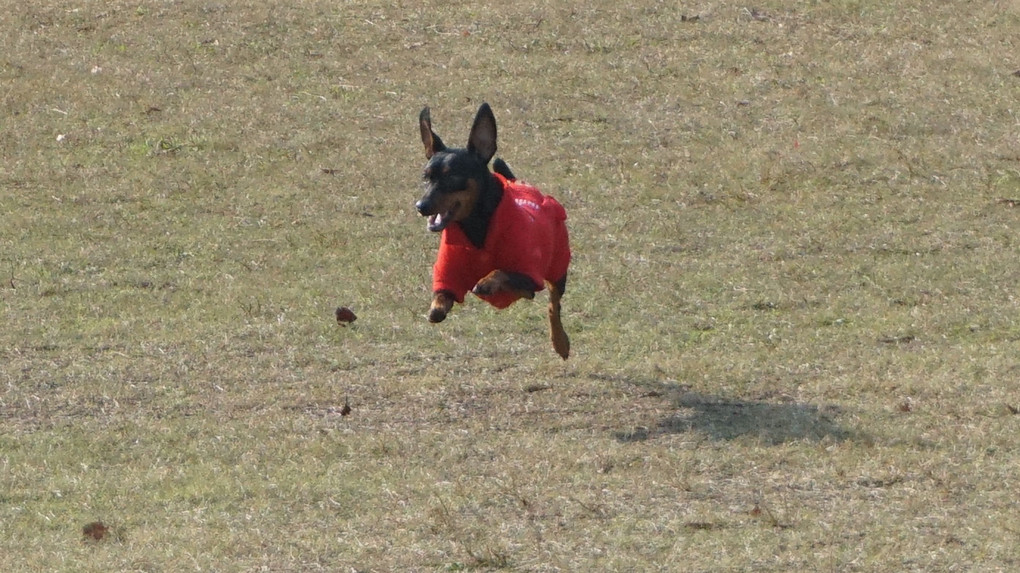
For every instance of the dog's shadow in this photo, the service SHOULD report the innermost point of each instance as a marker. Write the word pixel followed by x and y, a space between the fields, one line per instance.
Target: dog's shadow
pixel 770 422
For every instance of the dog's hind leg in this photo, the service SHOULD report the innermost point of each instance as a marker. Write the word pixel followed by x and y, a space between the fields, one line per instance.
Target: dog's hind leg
pixel 560 340
pixel 498 281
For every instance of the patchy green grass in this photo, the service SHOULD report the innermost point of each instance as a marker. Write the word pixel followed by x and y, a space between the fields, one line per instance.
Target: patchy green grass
pixel 793 305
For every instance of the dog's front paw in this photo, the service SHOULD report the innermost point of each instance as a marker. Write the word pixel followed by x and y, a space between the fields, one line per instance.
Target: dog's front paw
pixel 442 302
pixel 436 315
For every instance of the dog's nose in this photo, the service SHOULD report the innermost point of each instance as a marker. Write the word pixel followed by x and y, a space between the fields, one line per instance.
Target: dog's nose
pixel 423 207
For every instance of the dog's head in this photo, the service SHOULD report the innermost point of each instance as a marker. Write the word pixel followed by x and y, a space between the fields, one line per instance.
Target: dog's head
pixel 454 178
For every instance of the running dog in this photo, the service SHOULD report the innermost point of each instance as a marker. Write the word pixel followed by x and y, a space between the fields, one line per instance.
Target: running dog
pixel 502 239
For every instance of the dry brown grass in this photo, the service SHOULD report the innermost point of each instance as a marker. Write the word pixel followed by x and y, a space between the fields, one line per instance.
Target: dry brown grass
pixel 793 306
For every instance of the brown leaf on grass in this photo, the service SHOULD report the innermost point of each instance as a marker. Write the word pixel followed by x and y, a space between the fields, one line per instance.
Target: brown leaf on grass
pixel 762 511
pixel 96 530
pixel 344 315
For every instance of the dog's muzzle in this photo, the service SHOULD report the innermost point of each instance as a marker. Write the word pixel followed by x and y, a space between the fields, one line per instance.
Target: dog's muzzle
pixel 436 221
pixel 424 207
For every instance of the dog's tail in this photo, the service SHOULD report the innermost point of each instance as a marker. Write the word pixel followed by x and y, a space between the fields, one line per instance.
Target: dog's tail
pixel 500 166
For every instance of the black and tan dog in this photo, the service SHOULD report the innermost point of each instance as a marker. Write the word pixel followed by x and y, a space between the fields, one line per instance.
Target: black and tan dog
pixel 501 238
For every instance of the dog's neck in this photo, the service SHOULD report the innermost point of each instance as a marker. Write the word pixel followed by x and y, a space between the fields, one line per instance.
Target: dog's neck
pixel 476 225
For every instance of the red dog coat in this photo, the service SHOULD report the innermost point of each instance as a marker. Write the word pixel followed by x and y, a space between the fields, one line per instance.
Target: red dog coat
pixel 527 234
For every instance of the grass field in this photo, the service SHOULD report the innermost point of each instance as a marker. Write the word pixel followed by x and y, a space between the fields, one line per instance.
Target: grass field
pixel 793 304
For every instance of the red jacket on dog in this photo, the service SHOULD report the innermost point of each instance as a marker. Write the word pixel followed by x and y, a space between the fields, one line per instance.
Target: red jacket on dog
pixel 527 234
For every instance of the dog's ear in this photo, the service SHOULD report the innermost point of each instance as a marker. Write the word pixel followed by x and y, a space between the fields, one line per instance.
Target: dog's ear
pixel 482 141
pixel 433 144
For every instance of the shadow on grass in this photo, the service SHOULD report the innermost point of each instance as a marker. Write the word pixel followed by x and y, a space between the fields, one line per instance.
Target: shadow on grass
pixel 727 419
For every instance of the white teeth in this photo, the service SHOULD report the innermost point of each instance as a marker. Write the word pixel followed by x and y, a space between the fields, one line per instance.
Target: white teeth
pixel 439 221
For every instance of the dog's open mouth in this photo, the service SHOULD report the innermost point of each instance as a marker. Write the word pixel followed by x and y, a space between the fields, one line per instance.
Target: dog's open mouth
pixel 440 221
